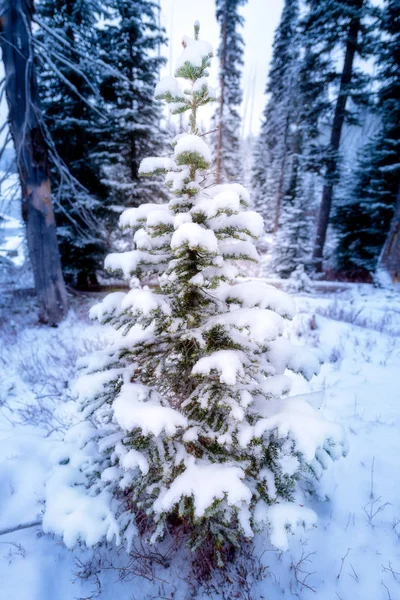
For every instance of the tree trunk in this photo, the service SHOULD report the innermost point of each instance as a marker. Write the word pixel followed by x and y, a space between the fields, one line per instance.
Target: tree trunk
pixel 390 256
pixel 336 132
pixel 280 191
pixel 31 155
pixel 218 162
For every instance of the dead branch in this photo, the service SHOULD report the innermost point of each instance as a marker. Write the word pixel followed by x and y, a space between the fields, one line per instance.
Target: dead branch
pixel 343 559
pixel 19 527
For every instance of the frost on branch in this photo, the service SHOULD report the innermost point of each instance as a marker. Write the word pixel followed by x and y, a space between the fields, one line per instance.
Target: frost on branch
pixel 186 418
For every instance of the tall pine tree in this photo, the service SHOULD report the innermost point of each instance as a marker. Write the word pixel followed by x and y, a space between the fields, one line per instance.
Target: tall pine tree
pixel 282 176
pixel 339 32
pixel 273 158
pixel 227 120
pixel 26 126
pixel 129 44
pixel 363 220
pixel 261 181
pixel 98 97
pixel 68 78
pixel 292 244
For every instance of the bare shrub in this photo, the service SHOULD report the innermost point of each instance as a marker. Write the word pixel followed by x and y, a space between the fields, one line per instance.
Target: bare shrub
pixel 142 562
pixel 301 572
pixel 373 508
pixel 162 567
pixel 313 325
pixel 39 363
pixel 15 550
pixel 353 315
pixel 336 355
pixel 237 579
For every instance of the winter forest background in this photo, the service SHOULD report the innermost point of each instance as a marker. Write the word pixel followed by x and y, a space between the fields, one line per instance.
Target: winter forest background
pixel 295 118
pixel 320 159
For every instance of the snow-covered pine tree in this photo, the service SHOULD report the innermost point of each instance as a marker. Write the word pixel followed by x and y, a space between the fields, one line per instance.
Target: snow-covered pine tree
pixel 332 29
pixel 363 221
pixel 275 147
pixel 68 86
pixel 261 181
pixel 227 120
pixel 185 419
pixel 97 88
pixel 283 182
pixel 129 43
pixel 363 218
pixel 292 244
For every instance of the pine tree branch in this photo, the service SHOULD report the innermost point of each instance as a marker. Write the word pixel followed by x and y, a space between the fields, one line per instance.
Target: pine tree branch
pixel 66 43
pixel 71 86
pixel 67 63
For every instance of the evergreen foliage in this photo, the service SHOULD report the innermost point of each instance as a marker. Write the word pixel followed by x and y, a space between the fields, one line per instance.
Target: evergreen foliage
pixel 363 218
pixel 312 94
pixel 129 44
pixel 261 181
pixel 283 178
pixel 324 30
pixel 338 28
pixel 98 100
pixel 68 88
pixel 185 420
pixel 292 245
pixel 227 120
pixel 274 150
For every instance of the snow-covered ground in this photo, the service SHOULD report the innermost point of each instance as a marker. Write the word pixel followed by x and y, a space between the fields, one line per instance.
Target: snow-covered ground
pixel 354 553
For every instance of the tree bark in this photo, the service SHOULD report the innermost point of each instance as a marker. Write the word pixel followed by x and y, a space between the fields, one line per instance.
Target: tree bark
pixel 218 162
pixel 336 132
pixel 280 191
pixel 32 160
pixel 390 255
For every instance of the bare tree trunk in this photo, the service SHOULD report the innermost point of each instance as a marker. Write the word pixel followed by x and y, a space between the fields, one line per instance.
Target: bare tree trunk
pixel 32 160
pixel 336 132
pixel 390 255
pixel 218 162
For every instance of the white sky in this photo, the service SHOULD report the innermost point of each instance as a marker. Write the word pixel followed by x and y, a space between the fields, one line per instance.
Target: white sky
pixel 261 20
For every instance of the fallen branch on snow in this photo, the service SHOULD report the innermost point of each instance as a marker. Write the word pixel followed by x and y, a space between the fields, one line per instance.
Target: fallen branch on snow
pixel 19 527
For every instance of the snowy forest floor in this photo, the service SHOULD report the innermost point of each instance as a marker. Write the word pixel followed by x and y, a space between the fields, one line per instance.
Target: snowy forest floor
pixel 353 553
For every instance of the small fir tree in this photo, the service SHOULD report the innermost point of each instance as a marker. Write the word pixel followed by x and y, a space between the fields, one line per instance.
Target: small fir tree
pixel 185 419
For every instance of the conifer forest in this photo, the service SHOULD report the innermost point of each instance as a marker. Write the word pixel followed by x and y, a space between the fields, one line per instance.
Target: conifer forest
pixel 199 299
